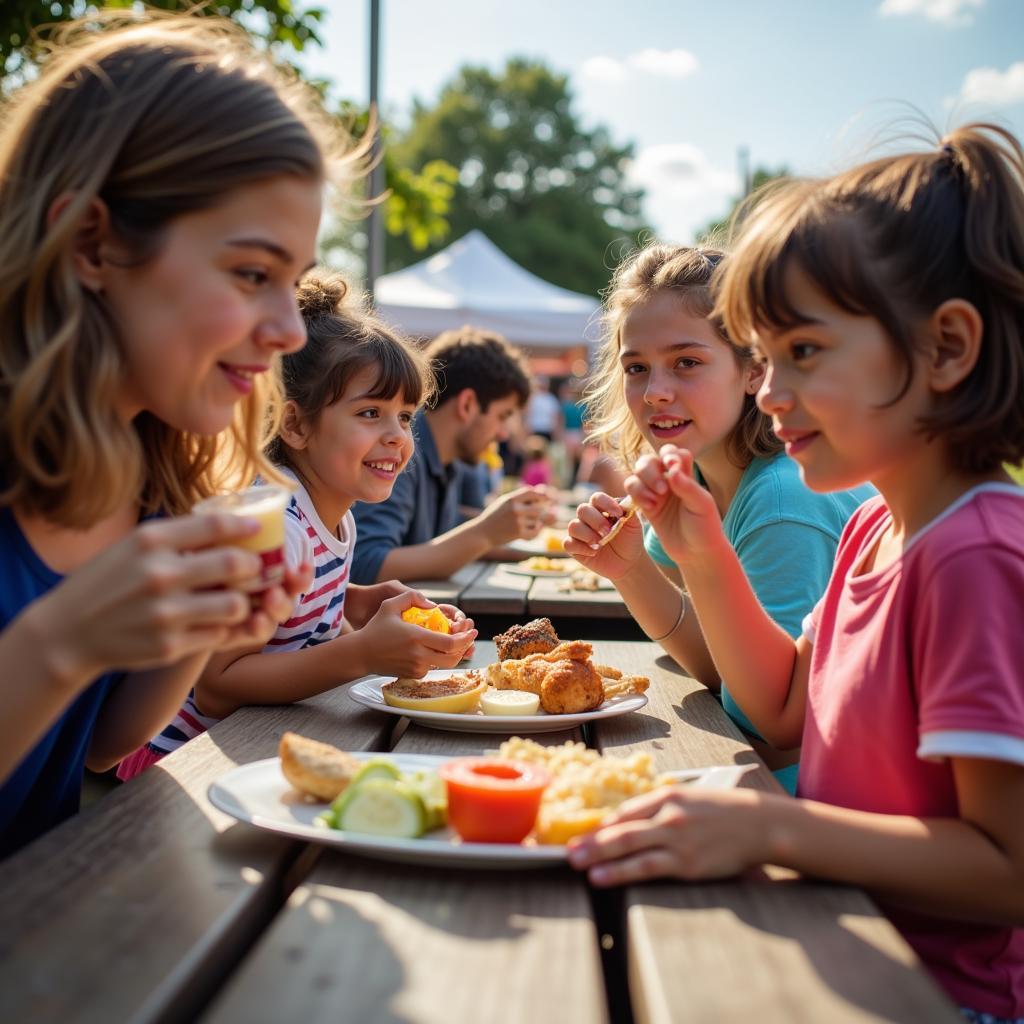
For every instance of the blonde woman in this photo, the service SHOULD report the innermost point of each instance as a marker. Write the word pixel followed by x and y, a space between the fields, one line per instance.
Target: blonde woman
pixel 160 193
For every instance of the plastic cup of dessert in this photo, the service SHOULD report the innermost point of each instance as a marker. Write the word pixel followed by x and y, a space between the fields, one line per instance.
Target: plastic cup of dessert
pixel 265 503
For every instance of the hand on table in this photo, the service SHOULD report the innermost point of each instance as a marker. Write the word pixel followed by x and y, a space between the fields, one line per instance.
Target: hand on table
pixel 403 649
pixel 682 513
pixel 595 520
pixel 676 832
pixel 518 515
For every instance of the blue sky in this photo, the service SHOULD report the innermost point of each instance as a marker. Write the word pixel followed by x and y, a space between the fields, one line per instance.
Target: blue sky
pixel 802 83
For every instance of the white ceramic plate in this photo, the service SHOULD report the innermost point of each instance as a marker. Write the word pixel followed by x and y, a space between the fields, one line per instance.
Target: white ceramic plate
pixel 258 794
pixel 367 692
pixel 523 570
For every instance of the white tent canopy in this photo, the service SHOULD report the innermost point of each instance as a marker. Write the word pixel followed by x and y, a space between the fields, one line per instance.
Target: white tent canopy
pixel 473 282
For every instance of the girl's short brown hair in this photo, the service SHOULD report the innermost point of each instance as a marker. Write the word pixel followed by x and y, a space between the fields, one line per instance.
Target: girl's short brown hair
pixel 155 119
pixel 686 273
pixel 342 340
pixel 893 239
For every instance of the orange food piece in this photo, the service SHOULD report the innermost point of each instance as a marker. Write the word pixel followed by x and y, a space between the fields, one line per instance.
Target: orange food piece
pixel 493 800
pixel 429 618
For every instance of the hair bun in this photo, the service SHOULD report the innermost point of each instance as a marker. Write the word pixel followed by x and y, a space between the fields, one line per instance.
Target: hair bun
pixel 321 294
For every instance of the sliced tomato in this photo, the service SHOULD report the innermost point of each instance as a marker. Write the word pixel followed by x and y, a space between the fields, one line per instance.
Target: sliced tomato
pixel 491 800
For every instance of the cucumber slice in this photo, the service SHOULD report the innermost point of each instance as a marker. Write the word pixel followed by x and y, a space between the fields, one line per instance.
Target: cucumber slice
pixel 382 807
pixel 376 768
pixel 434 795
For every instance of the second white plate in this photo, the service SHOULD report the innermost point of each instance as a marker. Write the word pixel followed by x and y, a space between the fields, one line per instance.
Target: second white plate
pixel 367 692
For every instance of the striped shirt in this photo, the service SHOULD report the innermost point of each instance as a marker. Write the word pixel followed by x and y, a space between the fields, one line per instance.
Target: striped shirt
pixel 317 615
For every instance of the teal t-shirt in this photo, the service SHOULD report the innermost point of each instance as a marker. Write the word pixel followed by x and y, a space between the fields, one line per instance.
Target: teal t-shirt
pixel 785 536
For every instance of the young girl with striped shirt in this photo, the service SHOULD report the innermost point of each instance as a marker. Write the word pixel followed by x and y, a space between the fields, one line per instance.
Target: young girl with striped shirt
pixel 345 435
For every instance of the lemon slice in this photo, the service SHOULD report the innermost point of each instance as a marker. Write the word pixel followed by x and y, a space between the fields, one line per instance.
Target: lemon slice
pixel 509 702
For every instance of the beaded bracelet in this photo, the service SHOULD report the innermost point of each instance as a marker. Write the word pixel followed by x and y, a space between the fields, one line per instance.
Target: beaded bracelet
pixel 679 621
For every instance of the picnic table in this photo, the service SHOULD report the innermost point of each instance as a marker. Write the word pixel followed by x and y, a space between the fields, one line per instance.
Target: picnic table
pixel 493 589
pixel 152 905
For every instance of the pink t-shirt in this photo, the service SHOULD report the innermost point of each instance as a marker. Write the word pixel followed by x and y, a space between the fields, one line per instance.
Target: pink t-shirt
pixel 913 664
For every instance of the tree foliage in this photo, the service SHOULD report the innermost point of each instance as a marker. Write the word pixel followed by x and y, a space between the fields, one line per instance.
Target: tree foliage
pixel 276 22
pixel 549 192
pixel 418 197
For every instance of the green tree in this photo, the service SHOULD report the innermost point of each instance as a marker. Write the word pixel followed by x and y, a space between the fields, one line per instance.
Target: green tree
pixel 549 192
pixel 276 22
pixel 417 196
pixel 717 230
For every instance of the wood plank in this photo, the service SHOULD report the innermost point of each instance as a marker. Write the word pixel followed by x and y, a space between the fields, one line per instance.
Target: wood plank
pixel 768 947
pixel 372 942
pixel 773 952
pixel 497 592
pixel 367 941
pixel 545 598
pixel 138 907
pixel 449 591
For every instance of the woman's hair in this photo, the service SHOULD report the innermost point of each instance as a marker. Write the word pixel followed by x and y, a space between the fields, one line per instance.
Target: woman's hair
pixel 155 119
pixel 893 239
pixel 685 273
pixel 343 339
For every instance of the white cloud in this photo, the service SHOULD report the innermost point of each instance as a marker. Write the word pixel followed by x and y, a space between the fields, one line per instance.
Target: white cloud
pixel 955 13
pixel 685 190
pixel 660 63
pixel 992 87
pixel 668 63
pixel 603 69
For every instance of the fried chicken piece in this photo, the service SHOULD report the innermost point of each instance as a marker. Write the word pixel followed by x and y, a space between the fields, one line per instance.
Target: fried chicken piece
pixel 570 688
pixel 520 640
pixel 564 678
pixel 624 685
pixel 571 650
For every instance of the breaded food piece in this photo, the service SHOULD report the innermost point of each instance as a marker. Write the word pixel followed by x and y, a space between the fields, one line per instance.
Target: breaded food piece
pixel 608 672
pixel 535 637
pixel 570 688
pixel 624 686
pixel 628 511
pixel 316 768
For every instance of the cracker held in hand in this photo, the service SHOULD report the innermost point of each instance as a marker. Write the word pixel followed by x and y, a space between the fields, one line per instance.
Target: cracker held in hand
pixel 628 511
pixel 316 768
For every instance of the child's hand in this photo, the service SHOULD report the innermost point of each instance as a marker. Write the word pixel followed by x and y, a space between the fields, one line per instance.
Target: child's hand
pixel 458 623
pixel 518 515
pixel 398 648
pixel 676 832
pixel 594 521
pixel 362 602
pixel 163 593
pixel 682 513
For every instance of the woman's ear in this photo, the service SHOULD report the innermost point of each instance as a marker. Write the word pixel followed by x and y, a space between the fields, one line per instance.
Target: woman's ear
pixel 294 429
pixel 92 235
pixel 955 335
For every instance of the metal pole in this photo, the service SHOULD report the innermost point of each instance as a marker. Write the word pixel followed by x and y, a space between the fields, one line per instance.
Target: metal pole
pixel 375 220
pixel 743 159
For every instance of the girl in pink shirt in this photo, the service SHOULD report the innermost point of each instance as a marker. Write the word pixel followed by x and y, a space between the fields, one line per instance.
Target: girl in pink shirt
pixel 888 306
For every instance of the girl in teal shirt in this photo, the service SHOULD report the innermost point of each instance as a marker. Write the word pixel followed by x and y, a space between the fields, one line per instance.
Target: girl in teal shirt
pixel 669 374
